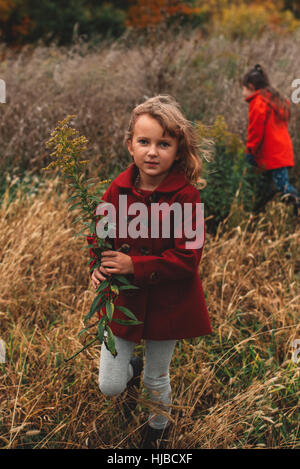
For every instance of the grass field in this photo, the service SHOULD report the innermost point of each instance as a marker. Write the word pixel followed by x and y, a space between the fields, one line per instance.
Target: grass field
pixel 238 388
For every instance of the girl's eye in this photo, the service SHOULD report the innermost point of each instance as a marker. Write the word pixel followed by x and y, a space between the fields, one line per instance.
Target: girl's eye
pixel 142 141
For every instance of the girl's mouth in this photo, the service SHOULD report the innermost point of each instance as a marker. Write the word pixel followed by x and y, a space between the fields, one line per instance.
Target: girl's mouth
pixel 151 163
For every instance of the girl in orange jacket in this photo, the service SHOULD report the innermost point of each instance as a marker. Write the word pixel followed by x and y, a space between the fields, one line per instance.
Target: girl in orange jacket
pixel 269 145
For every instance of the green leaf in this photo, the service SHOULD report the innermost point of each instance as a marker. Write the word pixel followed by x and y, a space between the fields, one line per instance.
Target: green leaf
pixel 92 227
pixel 96 265
pixel 86 223
pixel 114 289
pixel 77 220
pixel 90 185
pixel 72 198
pixel 122 279
pixel 103 285
pixel 128 287
pixel 94 308
pixel 127 323
pixel 81 234
pixel 85 247
pixel 96 199
pixel 82 331
pixel 101 328
pixel 127 312
pixel 111 341
pixel 85 209
pixel 110 307
pixel 74 206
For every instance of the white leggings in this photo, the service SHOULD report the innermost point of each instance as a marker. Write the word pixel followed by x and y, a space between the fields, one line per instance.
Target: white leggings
pixel 115 373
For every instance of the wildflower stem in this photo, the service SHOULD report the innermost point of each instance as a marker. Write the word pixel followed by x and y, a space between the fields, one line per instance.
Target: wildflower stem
pixel 66 154
pixel 81 350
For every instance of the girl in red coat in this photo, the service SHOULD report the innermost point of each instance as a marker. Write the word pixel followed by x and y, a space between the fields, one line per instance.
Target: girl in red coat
pixel 269 146
pixel 169 301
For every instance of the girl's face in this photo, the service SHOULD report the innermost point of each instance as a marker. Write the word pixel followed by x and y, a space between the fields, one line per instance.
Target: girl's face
pixel 248 90
pixel 153 151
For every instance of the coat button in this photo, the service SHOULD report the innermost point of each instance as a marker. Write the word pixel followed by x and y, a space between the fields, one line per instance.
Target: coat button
pixel 144 250
pixel 125 248
pixel 154 277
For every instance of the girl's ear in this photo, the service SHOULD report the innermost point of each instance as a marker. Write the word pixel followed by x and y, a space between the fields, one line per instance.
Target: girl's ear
pixel 129 146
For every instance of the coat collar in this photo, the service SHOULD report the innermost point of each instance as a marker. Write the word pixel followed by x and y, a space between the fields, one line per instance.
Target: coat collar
pixel 253 95
pixel 174 181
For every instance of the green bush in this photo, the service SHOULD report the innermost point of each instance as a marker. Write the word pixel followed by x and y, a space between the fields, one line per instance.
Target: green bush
pixel 105 20
pixel 231 182
pixel 59 20
pixel 14 182
pixel 248 21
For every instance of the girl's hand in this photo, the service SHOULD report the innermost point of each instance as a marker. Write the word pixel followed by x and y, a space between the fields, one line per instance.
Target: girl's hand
pixel 98 276
pixel 116 262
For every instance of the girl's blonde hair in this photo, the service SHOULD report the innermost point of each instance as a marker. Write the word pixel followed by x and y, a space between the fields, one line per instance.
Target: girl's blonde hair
pixel 167 112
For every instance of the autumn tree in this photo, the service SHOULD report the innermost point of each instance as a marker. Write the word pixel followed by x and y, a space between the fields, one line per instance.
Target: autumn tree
pixel 145 13
pixel 27 21
pixel 23 21
pixel 294 6
pixel 14 21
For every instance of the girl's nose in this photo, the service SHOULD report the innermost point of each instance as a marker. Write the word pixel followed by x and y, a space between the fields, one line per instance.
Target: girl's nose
pixel 152 151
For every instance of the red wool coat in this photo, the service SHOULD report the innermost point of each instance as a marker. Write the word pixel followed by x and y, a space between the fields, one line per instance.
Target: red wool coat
pixel 268 137
pixel 170 300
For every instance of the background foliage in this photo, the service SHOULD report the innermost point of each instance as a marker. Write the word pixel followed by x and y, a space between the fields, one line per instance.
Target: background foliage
pixel 27 21
pixel 102 82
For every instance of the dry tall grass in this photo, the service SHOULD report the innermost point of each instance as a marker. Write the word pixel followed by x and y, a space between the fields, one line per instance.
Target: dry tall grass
pixel 101 85
pixel 238 388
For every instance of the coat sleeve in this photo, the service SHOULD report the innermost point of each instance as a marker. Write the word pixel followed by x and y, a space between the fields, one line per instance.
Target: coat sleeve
pixel 256 126
pixel 179 261
pixel 92 239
